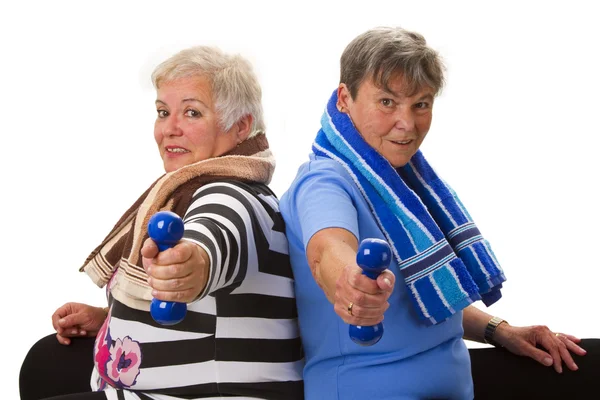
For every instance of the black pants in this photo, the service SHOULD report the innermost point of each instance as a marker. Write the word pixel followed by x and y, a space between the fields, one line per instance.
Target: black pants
pixel 51 369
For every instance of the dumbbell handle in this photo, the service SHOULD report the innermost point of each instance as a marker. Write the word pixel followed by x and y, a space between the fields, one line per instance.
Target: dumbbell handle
pixel 373 257
pixel 166 229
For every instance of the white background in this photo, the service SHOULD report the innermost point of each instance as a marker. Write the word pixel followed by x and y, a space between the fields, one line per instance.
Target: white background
pixel 515 132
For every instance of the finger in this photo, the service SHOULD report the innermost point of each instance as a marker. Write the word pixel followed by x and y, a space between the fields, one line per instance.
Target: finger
pixel 539 355
pixel 571 337
pixel 60 313
pixel 358 311
pixel 367 301
pixel 551 345
pixel 175 255
pixel 171 271
pixel 184 296
pixel 572 347
pixel 360 282
pixel 342 312
pixel 565 355
pixel 346 294
pixel 72 332
pixel 55 318
pixel 171 285
pixel 63 340
pixel 73 320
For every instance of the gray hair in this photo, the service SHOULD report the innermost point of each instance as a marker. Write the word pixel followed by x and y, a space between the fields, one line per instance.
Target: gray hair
pixel 383 52
pixel 234 85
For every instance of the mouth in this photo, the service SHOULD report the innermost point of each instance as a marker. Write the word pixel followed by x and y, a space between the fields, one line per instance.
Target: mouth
pixel 402 142
pixel 176 150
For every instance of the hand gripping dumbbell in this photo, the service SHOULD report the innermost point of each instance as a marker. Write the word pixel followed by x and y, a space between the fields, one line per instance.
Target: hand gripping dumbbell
pixel 374 256
pixel 166 229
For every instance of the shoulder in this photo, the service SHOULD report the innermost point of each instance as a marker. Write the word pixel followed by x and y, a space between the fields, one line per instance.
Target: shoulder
pixel 322 165
pixel 230 186
pixel 317 175
pixel 323 195
pixel 245 198
pixel 233 189
pixel 321 168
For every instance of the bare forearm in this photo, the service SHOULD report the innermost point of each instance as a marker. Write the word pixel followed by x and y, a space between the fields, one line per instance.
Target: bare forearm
pixel 328 252
pixel 474 323
pixel 329 267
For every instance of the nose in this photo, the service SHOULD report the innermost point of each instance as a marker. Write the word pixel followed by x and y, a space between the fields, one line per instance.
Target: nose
pixel 172 126
pixel 405 119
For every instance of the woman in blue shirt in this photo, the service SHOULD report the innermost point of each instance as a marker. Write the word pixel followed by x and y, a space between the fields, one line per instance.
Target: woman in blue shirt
pixel 367 178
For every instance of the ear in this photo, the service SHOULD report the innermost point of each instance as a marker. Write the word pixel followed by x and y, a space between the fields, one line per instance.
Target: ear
pixel 242 127
pixel 344 98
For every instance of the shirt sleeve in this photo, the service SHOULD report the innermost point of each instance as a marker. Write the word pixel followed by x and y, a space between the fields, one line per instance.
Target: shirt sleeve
pixel 321 197
pixel 221 220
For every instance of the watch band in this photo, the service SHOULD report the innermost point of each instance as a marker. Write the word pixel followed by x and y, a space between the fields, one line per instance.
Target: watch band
pixel 490 329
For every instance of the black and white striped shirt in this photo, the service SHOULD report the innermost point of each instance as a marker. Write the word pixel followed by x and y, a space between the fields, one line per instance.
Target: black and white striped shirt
pixel 240 339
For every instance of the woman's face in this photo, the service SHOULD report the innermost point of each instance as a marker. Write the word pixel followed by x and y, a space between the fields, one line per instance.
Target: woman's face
pixel 186 128
pixel 389 121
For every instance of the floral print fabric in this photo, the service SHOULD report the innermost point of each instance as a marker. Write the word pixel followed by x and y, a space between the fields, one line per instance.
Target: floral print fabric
pixel 117 361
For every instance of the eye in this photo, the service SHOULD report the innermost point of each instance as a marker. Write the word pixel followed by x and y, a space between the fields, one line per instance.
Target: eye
pixel 422 105
pixel 162 113
pixel 192 113
pixel 387 102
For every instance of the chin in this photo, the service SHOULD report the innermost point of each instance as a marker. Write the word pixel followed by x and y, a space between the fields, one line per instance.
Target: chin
pixel 170 167
pixel 399 162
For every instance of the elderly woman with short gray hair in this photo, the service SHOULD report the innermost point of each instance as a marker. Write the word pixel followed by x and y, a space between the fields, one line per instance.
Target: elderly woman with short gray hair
pixel 240 337
pixel 366 178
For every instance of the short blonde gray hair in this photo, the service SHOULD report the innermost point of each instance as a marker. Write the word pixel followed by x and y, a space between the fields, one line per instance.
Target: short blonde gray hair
pixel 234 85
pixel 383 52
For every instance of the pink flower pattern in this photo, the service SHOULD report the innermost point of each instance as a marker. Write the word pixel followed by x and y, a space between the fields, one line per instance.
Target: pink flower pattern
pixel 124 365
pixel 117 363
pixel 101 351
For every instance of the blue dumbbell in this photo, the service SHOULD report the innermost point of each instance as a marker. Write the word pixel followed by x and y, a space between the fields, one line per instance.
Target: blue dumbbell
pixel 166 229
pixel 374 256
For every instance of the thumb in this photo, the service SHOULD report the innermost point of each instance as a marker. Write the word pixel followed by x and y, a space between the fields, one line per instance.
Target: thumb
pixel 149 249
pixel 386 280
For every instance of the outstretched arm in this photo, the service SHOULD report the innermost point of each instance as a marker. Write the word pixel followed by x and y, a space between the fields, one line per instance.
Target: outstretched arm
pixel 331 255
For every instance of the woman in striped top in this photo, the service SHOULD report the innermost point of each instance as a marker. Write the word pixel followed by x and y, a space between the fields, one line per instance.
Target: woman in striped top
pixel 240 337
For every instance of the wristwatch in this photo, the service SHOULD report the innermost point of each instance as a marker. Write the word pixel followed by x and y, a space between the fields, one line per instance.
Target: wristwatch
pixel 490 329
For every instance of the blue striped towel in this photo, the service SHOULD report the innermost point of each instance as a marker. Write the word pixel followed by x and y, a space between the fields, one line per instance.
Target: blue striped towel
pixel 443 258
